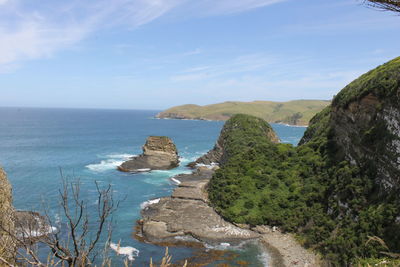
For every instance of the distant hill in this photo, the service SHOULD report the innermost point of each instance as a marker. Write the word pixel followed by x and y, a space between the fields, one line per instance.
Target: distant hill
pixel 296 112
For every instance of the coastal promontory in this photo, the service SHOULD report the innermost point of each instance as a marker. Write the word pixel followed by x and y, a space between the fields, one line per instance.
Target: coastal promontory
pixel 338 190
pixel 296 112
pixel 159 153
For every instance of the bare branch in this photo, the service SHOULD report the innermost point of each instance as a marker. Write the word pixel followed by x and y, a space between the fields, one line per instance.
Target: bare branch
pixel 77 248
pixel 385 5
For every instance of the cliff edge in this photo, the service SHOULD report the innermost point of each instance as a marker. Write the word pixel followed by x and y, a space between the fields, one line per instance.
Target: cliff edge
pixel 7 247
pixel 339 190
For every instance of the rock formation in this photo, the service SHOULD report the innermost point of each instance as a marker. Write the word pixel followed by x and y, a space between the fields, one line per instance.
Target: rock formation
pixel 7 246
pixel 219 154
pixel 159 153
pixel 187 216
pixel 31 226
pixel 359 138
pixel 364 125
pixel 339 188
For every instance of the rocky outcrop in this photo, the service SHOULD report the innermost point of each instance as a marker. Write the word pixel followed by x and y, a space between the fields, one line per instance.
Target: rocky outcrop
pixel 219 154
pixel 7 246
pixel 363 125
pixel 359 139
pixel 187 216
pixel 367 133
pixel 159 153
pixel 31 226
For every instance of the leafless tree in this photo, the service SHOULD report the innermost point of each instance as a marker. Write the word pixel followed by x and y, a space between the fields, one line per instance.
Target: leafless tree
pixel 386 5
pixel 78 245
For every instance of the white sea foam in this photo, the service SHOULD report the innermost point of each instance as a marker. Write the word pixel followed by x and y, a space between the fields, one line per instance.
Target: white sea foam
pixel 222 246
pixel 209 166
pixel 149 203
pixel 39 231
pixel 176 181
pixel 130 252
pixel 264 258
pixel 161 177
pixel 112 161
pixel 143 170
pixel 184 160
pixel 121 156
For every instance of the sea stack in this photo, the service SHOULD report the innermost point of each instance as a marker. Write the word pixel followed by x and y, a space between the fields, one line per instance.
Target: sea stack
pixel 159 153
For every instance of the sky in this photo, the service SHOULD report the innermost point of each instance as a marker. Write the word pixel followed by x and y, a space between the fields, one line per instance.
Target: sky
pixel 154 54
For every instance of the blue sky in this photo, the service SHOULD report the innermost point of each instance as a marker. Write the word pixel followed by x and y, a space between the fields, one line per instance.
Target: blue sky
pixel 153 54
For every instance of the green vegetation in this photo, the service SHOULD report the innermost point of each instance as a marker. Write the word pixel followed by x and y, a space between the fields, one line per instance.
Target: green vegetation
pixel 297 112
pixel 381 262
pixel 381 82
pixel 332 205
pixel 329 203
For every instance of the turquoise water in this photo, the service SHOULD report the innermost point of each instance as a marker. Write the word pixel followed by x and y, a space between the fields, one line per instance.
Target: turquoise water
pixel 88 145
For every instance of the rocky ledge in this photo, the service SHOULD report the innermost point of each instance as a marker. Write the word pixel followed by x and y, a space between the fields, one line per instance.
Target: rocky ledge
pixel 159 153
pixel 31 226
pixel 186 215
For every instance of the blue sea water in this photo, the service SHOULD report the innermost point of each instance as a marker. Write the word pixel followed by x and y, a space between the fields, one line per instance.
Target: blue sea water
pixel 35 144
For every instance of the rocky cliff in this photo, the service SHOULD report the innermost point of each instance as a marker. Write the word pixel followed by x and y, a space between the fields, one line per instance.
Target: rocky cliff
pixel 159 153
pixel 339 188
pixel 363 125
pixel 7 250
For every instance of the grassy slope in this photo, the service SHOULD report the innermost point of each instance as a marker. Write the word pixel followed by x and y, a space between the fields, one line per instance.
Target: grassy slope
pixel 267 110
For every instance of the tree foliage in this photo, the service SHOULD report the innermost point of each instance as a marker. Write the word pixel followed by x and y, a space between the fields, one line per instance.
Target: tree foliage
pixel 386 5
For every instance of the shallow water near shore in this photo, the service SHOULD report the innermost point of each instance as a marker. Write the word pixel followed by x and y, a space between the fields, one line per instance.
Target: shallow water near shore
pixel 88 145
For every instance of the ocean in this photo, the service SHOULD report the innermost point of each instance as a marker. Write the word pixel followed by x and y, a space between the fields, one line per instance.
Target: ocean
pixel 36 145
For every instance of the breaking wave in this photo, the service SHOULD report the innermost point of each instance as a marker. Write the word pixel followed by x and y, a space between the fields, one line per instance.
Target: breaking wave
pixel 149 202
pixel 111 162
pixel 130 252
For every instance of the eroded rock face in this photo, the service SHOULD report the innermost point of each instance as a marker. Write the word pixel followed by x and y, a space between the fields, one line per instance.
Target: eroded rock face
pixel 362 125
pixel 7 246
pixel 159 153
pixel 368 134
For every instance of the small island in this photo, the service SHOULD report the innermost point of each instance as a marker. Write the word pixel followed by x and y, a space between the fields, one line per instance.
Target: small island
pixel 159 153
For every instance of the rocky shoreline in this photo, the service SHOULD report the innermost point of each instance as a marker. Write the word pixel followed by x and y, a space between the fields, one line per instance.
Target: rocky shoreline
pixel 187 216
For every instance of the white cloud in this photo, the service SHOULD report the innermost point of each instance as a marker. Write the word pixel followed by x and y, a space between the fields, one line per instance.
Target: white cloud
pixel 213 7
pixel 33 40
pixel 309 85
pixel 345 24
pixel 271 77
pixel 36 31
pixel 240 64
